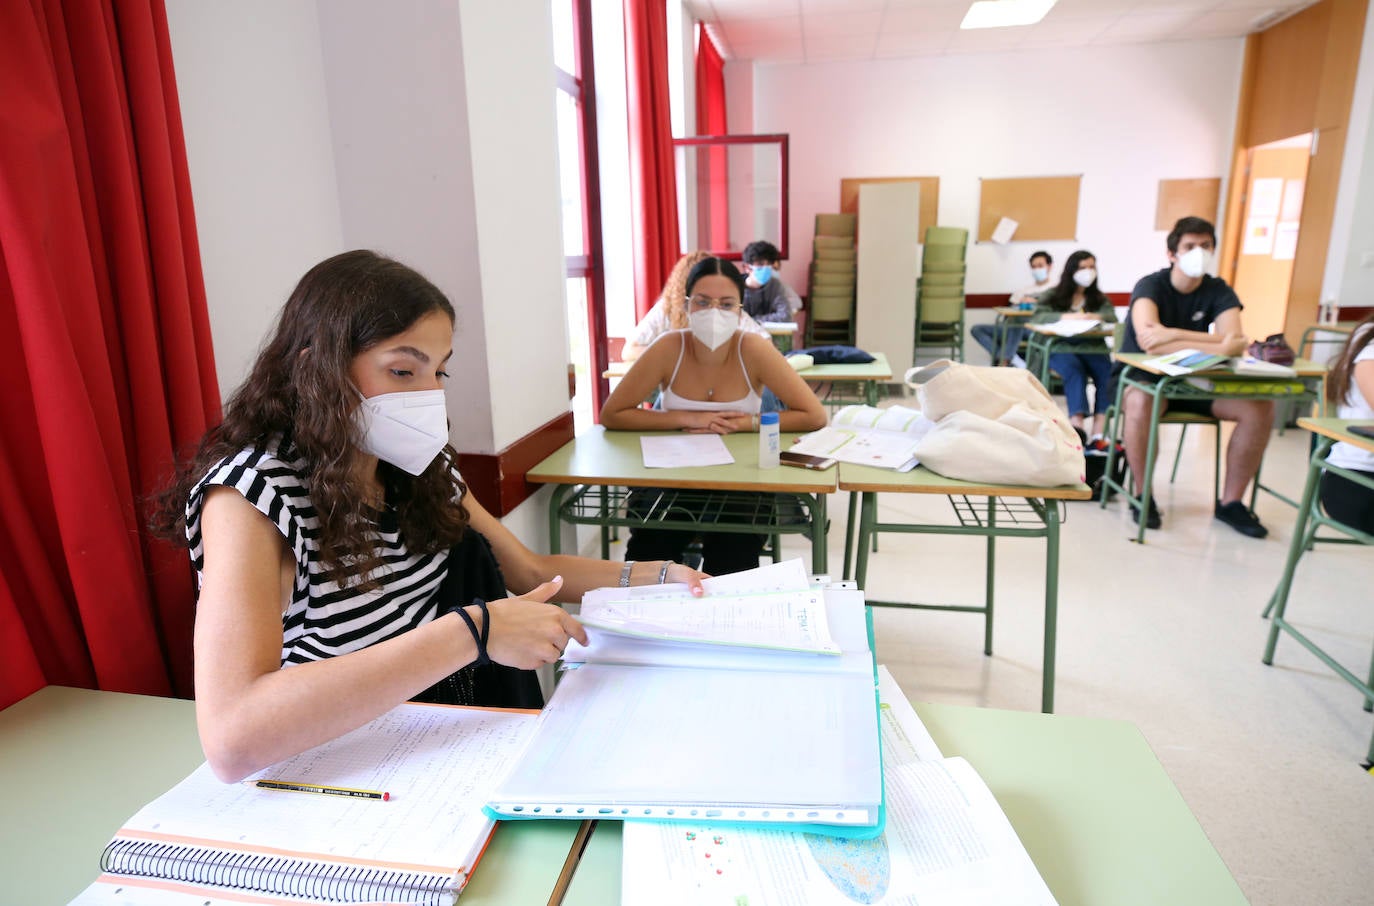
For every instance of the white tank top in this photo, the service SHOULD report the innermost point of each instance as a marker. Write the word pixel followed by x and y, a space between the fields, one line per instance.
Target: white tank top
pixel 751 403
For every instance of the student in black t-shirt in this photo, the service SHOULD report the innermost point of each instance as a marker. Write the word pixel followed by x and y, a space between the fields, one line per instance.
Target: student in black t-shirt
pixel 1173 309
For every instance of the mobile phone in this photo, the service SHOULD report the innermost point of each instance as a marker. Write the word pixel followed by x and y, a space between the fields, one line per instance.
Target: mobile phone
pixel 804 460
pixel 1362 430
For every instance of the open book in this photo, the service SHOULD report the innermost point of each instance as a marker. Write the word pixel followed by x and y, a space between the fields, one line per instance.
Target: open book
pixel 1185 361
pixel 947 842
pixel 667 723
pixel 869 436
pixel 435 764
pixel 1070 327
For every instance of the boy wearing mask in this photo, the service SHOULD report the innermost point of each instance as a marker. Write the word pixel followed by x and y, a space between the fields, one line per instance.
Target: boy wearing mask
pixel 766 297
pixel 986 334
pixel 1173 309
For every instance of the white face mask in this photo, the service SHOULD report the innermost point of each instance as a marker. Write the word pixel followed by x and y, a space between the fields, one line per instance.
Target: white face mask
pixel 406 429
pixel 713 326
pixel 1040 274
pixel 1084 277
pixel 1195 261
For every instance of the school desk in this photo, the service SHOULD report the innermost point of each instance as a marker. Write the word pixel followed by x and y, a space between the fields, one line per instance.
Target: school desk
pixel 1043 343
pixel 782 333
pixel 78 764
pixel 594 473
pixel 1327 432
pixel 867 375
pixel 988 511
pixel 1159 386
pixel 1005 317
pixel 1090 801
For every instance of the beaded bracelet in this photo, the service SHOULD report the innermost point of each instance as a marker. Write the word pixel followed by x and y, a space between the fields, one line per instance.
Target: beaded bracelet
pixel 479 637
pixel 625 573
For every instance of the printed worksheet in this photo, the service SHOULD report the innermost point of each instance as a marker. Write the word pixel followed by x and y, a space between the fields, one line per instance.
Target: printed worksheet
pixel 678 451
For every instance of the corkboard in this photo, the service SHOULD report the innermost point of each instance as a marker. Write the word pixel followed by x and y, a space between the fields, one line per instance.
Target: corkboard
pixel 1186 198
pixel 930 196
pixel 1044 207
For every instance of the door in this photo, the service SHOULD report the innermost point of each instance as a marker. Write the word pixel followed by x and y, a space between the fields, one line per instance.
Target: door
pixel 1269 232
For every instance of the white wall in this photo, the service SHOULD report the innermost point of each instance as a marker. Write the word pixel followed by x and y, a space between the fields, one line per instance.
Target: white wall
pixel 256 120
pixel 1346 280
pixel 1123 116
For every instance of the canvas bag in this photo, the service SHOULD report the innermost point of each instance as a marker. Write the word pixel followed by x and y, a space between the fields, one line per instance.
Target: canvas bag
pixel 995 425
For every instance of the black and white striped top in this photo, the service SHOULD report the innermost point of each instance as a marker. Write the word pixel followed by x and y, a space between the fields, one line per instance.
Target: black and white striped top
pixel 322 619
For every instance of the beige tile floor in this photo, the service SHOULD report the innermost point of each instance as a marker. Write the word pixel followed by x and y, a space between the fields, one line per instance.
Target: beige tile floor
pixel 1168 635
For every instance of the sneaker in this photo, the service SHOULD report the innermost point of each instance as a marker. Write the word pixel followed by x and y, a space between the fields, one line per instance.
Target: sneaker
pixel 1152 520
pixel 1096 447
pixel 1239 518
pixel 1017 361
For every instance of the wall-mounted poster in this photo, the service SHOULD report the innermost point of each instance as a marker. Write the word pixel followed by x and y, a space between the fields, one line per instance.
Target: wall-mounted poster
pixel 1259 235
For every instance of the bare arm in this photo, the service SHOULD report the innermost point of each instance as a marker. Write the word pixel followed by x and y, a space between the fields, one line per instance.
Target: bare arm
pixel 1363 376
pixel 804 410
pixel 524 569
pixel 622 410
pixel 252 713
pixel 1156 339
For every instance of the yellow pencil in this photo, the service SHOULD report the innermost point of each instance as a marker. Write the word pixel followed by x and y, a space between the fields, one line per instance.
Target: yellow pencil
pixel 295 786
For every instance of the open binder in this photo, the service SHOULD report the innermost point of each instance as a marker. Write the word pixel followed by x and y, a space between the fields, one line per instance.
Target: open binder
pixel 667 729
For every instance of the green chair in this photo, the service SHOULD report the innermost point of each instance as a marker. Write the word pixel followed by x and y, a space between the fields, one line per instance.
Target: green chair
pixel 940 320
pixel 825 253
pixel 938 235
pixel 833 242
pixel 837 225
pixel 831 318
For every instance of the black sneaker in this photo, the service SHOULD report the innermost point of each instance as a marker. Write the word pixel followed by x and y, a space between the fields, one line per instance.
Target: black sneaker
pixel 1239 518
pixel 1152 520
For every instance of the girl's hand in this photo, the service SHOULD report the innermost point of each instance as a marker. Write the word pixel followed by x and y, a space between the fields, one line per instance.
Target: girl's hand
pixel 527 632
pixel 721 423
pixel 688 576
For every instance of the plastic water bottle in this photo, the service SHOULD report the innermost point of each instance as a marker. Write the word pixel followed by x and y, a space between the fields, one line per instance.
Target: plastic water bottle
pixel 769 440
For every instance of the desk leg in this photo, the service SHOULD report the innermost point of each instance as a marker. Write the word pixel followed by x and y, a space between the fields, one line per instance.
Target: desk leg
pixel 1279 602
pixel 555 503
pixel 605 529
pixel 991 578
pixel 820 556
pixel 1051 603
pixel 850 528
pixel 871 392
pixel 868 520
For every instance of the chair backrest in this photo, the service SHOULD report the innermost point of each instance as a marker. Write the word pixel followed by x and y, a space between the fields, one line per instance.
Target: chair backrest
pixel 936 278
pixel 939 309
pixel 833 242
pixel 829 266
pixel 836 224
pixel 836 254
pixel 939 235
pixel 827 279
pixel 942 254
pixel 831 307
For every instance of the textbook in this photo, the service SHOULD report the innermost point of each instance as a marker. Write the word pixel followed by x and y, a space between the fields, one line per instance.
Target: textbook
pixel 1185 361
pixel 947 843
pixel 673 722
pixel 391 811
pixel 869 436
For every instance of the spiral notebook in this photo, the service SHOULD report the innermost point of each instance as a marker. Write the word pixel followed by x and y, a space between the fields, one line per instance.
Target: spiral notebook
pixel 435 763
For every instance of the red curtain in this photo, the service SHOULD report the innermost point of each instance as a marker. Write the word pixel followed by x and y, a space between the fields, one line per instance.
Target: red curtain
pixel 713 174
pixel 653 175
pixel 105 358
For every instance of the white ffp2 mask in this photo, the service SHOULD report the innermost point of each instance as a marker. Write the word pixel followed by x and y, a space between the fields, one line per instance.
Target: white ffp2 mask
pixel 1085 277
pixel 406 429
pixel 713 326
pixel 1194 262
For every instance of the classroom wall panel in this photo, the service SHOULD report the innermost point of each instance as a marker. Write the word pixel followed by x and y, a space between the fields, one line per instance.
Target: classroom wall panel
pixel 1124 116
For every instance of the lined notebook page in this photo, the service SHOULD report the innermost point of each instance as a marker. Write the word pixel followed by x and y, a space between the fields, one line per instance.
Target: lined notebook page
pixel 438 763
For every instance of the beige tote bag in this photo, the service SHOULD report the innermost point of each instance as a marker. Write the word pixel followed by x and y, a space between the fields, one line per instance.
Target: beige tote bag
pixel 995 425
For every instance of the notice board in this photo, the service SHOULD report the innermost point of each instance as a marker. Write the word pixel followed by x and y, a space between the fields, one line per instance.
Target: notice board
pixel 1044 207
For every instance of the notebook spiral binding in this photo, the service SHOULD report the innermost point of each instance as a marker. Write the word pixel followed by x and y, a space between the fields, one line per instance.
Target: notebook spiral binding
pixel 273 874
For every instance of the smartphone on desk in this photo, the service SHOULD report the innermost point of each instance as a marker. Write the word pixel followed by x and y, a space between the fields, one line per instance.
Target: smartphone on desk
pixel 804 460
pixel 1362 430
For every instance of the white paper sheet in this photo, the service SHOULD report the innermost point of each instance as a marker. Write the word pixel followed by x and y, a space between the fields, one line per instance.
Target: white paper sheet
pixel 1005 229
pixel 786 620
pixel 676 451
pixel 1071 327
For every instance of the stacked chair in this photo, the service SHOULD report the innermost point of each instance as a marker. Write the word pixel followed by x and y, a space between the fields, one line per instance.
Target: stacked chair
pixel 940 292
pixel 832 280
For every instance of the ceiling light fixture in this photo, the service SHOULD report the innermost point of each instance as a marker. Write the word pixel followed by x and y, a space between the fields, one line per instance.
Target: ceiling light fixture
pixel 1005 13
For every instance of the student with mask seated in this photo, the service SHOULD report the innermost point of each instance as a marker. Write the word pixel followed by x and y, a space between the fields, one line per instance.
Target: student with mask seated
pixel 766 297
pixel 1079 359
pixel 712 377
pixel 986 334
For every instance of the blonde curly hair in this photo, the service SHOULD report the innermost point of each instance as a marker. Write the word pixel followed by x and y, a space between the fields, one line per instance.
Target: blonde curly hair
pixel 674 294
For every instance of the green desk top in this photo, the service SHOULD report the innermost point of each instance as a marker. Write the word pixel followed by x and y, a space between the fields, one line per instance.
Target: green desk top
pixel 1091 803
pixel 78 764
pixel 921 480
pixel 602 457
pixel 1339 429
pixel 1305 368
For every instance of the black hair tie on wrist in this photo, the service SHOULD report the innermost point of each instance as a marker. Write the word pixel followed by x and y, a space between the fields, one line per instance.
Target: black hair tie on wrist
pixel 479 637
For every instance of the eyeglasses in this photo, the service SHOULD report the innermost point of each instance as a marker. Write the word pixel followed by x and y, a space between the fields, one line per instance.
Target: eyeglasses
pixel 727 304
